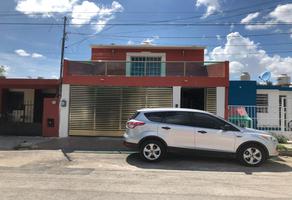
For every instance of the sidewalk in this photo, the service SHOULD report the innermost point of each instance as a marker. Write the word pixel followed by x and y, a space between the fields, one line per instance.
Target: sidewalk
pixel 68 144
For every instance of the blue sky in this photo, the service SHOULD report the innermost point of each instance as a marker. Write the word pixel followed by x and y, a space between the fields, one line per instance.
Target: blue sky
pixel 34 50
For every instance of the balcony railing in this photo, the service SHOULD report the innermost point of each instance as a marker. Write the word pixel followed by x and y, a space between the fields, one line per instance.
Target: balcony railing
pixel 146 68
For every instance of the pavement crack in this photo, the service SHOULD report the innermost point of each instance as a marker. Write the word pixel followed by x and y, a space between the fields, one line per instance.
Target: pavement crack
pixel 66 155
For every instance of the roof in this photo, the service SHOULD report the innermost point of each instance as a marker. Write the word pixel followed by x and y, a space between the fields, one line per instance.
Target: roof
pixel 147 46
pixel 274 87
pixel 29 83
pixel 170 109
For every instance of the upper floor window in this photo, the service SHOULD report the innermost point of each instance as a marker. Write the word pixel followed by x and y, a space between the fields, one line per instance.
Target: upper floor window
pixel 262 103
pixel 145 66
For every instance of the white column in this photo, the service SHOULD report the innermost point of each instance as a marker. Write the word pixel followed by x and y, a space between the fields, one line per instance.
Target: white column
pixel 176 94
pixel 220 101
pixel 64 111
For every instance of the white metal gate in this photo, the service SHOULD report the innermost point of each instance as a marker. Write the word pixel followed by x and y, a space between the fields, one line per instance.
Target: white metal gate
pixel 274 119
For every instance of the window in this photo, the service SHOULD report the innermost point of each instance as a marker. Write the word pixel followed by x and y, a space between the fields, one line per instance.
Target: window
pixel 154 116
pixel 207 121
pixel 145 66
pixel 179 118
pixel 262 103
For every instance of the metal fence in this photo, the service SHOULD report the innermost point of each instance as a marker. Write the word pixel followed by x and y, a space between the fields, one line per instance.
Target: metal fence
pixel 274 119
pixel 147 68
pixel 23 113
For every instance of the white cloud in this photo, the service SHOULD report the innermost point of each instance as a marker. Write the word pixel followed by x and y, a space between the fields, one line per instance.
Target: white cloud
pixel 282 13
pixel 130 42
pixel 22 53
pixel 82 12
pixel 149 41
pixel 245 55
pixel 249 17
pixel 45 7
pixel 218 37
pixel 235 67
pixel 37 55
pixel 212 6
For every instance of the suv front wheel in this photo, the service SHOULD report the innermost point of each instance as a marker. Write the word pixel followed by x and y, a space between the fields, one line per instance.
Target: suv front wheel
pixel 252 155
pixel 152 150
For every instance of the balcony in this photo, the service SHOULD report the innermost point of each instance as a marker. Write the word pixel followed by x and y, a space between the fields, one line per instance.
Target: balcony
pixel 146 69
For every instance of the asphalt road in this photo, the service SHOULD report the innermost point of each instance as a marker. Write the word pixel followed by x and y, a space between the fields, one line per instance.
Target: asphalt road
pixel 46 175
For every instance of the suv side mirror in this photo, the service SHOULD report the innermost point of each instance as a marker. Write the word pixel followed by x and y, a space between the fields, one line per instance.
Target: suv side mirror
pixel 226 127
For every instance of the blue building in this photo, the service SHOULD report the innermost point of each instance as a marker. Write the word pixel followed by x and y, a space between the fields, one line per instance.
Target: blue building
pixel 269 107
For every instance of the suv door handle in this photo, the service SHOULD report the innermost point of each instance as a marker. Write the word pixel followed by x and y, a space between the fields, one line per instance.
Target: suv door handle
pixel 165 127
pixel 203 132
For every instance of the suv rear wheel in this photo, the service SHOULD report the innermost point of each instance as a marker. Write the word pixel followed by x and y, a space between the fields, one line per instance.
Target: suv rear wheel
pixel 152 150
pixel 252 155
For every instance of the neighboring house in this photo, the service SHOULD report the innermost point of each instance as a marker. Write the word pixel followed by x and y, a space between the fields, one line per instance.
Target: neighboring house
pixel 23 108
pixel 268 106
pixel 100 95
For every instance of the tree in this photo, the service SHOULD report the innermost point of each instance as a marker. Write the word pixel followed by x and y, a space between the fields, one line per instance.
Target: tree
pixel 2 70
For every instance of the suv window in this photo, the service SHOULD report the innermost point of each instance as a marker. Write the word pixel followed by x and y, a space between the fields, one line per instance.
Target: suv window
pixel 154 116
pixel 179 118
pixel 207 121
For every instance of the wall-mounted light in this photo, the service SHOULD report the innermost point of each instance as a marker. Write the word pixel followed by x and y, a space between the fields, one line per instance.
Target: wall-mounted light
pixel 63 103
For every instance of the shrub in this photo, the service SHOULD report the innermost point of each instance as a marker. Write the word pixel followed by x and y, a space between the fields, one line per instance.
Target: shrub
pixel 281 139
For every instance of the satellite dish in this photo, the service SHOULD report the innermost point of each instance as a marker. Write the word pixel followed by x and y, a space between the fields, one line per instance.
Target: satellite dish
pixel 265 76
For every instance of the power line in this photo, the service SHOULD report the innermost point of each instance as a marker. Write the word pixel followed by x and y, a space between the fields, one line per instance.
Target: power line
pixel 177 37
pixel 149 24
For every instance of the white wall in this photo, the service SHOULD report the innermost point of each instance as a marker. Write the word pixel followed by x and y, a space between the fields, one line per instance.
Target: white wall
pixel 64 111
pixel 176 95
pixel 271 118
pixel 220 101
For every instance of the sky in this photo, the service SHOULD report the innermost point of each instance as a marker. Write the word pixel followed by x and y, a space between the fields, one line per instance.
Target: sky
pixel 254 36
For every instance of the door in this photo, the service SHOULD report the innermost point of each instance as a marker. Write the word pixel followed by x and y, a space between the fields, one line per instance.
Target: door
pixel 209 133
pixel 175 129
pixel 193 98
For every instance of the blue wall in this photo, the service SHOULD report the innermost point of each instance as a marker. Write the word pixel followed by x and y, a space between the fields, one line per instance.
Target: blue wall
pixel 242 92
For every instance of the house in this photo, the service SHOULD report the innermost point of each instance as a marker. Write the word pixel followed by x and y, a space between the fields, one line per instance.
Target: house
pixel 99 96
pixel 26 107
pixel 269 107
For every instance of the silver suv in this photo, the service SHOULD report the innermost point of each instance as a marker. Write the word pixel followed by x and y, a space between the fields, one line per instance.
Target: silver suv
pixel 158 131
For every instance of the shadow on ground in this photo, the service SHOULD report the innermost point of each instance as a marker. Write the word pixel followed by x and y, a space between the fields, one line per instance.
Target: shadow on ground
pixel 71 144
pixel 196 163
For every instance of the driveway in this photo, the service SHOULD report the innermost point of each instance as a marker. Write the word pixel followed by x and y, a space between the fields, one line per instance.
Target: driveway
pixel 43 174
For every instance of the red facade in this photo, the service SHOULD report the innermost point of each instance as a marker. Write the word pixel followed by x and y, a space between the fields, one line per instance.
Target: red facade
pixel 216 75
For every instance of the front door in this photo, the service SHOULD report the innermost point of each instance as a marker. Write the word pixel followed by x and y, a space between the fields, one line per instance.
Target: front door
pixel 209 133
pixel 176 130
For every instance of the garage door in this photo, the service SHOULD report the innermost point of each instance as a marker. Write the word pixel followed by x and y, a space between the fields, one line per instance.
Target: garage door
pixel 103 111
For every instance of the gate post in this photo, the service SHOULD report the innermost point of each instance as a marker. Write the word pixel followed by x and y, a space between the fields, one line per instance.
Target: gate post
pixel 50 126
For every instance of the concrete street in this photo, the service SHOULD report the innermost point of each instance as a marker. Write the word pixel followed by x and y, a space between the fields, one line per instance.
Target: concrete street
pixel 53 174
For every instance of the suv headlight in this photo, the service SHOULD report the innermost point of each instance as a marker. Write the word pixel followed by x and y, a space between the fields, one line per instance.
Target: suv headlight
pixel 269 138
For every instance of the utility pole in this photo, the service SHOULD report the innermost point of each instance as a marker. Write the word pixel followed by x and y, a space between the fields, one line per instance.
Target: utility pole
pixel 62 54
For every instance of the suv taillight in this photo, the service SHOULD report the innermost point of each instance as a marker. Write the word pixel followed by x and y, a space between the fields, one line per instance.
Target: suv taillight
pixel 133 124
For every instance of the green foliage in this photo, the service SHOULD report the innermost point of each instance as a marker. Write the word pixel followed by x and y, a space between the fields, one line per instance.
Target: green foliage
pixel 281 139
pixel 2 70
pixel 281 147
